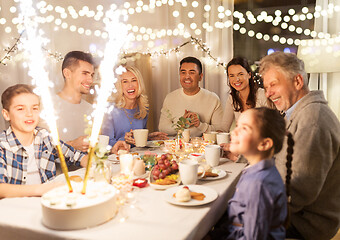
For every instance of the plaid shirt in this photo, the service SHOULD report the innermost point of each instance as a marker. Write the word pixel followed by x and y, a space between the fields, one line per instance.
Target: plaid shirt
pixel 14 157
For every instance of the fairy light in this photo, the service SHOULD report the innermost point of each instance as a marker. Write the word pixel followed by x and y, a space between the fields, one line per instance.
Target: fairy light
pixel 40 78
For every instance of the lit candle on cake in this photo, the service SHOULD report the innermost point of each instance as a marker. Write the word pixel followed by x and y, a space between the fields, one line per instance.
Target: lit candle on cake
pixel 36 63
pixel 108 79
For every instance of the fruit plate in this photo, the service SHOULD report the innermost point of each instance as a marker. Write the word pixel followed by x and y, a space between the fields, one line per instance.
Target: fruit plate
pixel 210 195
pixel 163 187
pixel 154 144
pixel 221 174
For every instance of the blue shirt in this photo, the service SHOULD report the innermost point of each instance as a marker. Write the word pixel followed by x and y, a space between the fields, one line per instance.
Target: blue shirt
pixel 14 157
pixel 291 109
pixel 258 208
pixel 118 122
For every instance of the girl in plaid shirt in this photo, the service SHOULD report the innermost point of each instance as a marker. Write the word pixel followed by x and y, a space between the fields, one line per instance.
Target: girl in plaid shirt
pixel 27 155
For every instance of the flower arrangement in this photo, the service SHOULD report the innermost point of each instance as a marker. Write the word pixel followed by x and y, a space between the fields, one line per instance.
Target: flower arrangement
pixel 181 124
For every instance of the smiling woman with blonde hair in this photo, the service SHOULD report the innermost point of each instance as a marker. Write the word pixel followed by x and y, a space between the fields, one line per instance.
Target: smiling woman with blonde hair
pixel 131 109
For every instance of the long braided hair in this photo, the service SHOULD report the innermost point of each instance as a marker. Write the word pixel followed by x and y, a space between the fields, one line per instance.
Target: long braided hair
pixel 272 125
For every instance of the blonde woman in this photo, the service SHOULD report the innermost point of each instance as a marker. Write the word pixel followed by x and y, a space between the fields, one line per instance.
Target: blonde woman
pixel 131 109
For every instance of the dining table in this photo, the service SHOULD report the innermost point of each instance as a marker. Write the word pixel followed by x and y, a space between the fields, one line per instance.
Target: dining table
pixel 145 215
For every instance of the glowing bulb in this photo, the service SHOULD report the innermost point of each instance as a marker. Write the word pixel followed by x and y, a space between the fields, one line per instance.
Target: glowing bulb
pixel 243 30
pixel 73 28
pixel 13 9
pixel 286 18
pixel 251 33
pixel 221 15
pixel 291 11
pixel 198 31
pixel 180 26
pixel 236 27
pixel 194 4
pixel 291 28
pixel 175 13
pixel 207 8
pixel 8 29
pixel 278 13
pixel 305 10
pixel 258 35
pixel 191 14
pixel 276 38
pixel 193 26
pixel 127 4
pixel 299 30
pixel 297 42
pixel 220 9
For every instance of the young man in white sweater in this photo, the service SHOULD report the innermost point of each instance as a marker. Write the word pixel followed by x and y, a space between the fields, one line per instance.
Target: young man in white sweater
pixel 200 105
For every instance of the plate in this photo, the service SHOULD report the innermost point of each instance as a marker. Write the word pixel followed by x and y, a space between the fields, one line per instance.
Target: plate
pixel 113 158
pixel 163 187
pixel 153 144
pixel 210 195
pixel 221 174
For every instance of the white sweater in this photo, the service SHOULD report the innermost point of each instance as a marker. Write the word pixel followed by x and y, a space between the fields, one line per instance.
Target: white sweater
pixel 205 103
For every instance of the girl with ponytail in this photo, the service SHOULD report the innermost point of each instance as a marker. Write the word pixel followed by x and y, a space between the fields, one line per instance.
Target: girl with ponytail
pixel 258 209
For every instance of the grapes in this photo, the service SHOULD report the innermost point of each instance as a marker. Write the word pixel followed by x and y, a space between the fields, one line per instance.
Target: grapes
pixel 166 171
pixel 166 163
pixel 156 172
pixel 165 166
pixel 162 166
pixel 162 175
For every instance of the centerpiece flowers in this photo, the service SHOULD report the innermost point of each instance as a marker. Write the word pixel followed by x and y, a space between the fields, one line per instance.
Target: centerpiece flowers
pixel 180 125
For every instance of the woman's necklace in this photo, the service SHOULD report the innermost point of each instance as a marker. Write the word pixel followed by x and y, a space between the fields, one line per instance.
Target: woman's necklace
pixel 129 116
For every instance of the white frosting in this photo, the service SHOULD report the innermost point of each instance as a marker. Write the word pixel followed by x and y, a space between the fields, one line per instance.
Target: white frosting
pixel 183 195
pixel 61 198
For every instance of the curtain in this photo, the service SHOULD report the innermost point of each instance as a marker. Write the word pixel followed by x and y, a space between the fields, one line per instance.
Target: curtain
pixel 329 82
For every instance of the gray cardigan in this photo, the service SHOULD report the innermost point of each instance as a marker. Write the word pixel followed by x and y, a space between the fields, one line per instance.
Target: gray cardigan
pixel 315 184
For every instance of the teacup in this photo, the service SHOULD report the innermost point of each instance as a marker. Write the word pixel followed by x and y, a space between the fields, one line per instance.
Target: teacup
pixel 188 171
pixel 141 137
pixel 222 138
pixel 212 155
pixel 210 136
pixel 103 141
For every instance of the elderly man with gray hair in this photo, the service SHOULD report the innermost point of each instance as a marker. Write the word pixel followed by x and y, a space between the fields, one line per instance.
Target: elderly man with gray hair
pixel 315 191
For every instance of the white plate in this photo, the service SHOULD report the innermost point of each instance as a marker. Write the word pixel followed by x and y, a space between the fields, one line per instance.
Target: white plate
pixel 113 157
pixel 155 143
pixel 221 174
pixel 163 187
pixel 210 195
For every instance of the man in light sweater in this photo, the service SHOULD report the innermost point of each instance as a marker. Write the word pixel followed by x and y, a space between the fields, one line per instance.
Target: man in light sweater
pixel 315 191
pixel 78 71
pixel 200 105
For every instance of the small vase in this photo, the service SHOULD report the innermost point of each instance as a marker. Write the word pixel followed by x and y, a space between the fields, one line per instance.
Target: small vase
pixel 179 142
pixel 101 172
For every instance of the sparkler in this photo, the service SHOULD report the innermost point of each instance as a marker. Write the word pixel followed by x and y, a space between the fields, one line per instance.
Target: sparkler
pixel 39 75
pixel 117 37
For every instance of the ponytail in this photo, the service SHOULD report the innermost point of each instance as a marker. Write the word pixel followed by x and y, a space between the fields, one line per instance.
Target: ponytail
pixel 290 150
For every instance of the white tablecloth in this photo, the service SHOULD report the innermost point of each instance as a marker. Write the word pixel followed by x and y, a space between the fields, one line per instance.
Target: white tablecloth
pixel 151 218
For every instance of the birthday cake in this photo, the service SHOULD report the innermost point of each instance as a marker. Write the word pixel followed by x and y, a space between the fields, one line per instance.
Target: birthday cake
pixel 63 210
